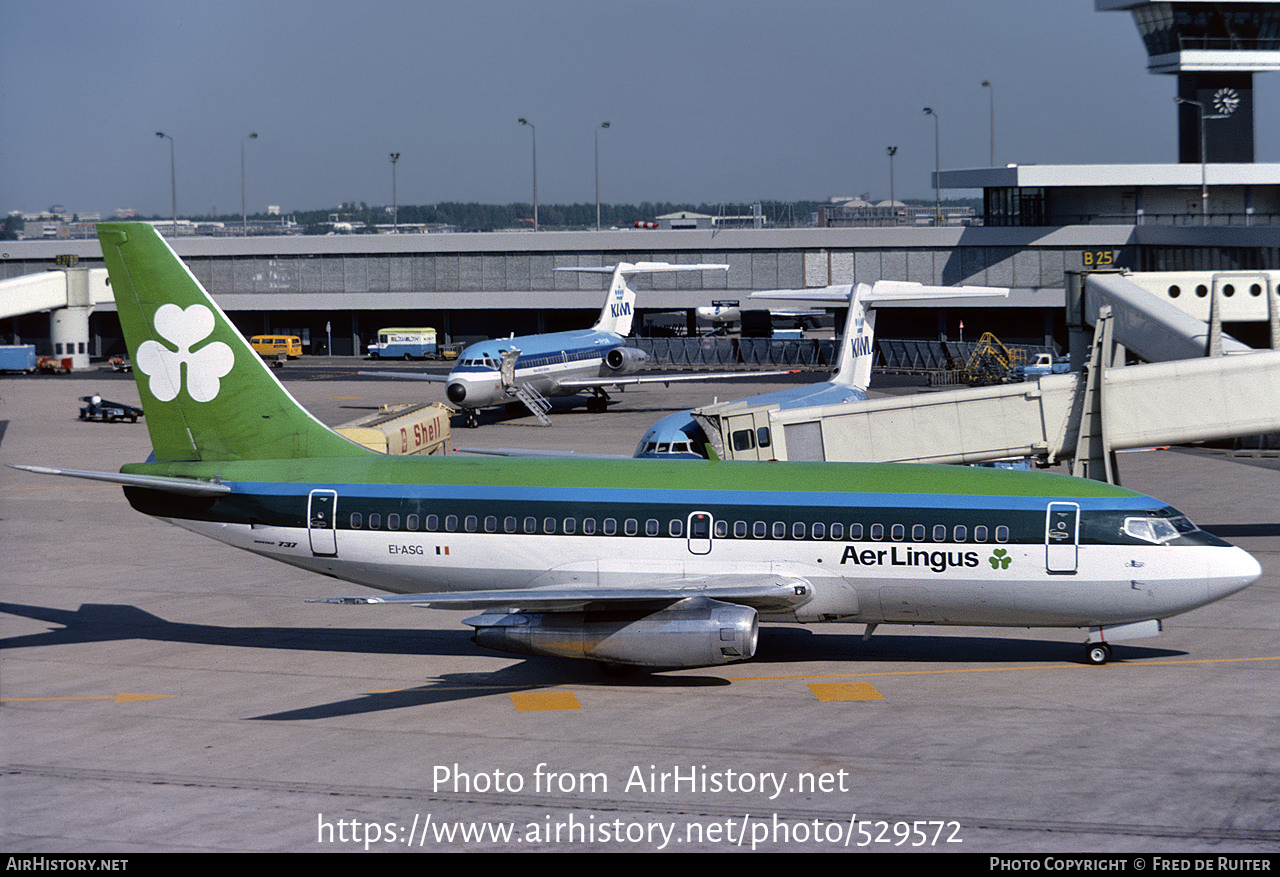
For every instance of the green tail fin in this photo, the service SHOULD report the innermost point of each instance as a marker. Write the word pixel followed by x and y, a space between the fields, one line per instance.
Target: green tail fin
pixel 207 395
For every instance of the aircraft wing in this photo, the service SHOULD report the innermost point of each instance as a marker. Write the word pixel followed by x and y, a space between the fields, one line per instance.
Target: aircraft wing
pixel 772 593
pixel 587 384
pixel 169 484
pixel 530 452
pixel 408 376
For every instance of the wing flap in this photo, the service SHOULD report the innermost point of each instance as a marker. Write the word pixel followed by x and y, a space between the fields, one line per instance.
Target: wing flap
pixel 771 593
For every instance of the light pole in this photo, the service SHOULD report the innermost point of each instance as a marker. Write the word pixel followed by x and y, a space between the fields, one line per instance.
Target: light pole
pixel 244 210
pixel 1204 182
pixel 893 204
pixel 937 168
pixel 173 181
pixel 535 169
pixel 597 133
pixel 986 83
pixel 395 225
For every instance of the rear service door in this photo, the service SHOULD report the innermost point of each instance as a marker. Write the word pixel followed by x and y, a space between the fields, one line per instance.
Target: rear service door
pixel 1062 537
pixel 322 510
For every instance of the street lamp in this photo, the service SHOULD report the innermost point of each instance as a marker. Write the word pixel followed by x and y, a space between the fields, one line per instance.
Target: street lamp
pixel 893 204
pixel 395 225
pixel 1204 183
pixel 937 168
pixel 986 83
pixel 244 211
pixel 535 169
pixel 597 133
pixel 173 181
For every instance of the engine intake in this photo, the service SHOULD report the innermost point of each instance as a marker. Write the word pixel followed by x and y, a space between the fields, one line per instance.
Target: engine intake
pixel 625 359
pixel 693 632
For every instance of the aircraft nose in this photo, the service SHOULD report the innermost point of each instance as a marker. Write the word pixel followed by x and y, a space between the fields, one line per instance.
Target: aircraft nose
pixel 456 393
pixel 1236 570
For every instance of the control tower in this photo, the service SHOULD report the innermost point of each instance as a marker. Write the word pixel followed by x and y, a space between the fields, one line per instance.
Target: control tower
pixel 1214 49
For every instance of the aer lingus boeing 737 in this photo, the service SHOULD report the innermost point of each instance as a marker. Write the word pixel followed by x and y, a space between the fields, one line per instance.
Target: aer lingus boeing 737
pixel 642 562
pixel 529 368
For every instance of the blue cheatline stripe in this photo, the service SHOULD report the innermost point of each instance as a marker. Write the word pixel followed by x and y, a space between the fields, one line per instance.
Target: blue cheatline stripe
pixel 692 498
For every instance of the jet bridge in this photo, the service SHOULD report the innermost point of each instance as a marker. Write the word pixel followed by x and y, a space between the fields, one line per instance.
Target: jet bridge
pixel 1083 417
pixel 1055 418
pixel 69 295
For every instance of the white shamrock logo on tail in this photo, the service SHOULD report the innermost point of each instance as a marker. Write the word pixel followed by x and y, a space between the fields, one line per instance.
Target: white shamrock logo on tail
pixel 205 367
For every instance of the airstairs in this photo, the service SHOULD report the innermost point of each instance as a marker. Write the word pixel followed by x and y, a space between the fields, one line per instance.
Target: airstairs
pixel 533 400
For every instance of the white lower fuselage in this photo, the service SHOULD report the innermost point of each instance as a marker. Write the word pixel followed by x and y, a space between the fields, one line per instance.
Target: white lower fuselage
pixel 863 581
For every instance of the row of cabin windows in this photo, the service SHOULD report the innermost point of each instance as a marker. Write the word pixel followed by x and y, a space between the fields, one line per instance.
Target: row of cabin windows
pixel 675 527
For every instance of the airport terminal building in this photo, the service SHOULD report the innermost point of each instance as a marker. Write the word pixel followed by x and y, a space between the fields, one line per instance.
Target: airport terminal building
pixel 1215 210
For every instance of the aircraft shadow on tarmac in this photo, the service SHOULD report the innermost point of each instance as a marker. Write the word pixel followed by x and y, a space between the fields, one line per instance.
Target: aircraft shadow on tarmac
pixel 778 645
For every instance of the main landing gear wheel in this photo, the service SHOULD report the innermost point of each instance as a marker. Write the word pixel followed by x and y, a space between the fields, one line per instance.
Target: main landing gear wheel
pixel 597 404
pixel 470 420
pixel 1098 653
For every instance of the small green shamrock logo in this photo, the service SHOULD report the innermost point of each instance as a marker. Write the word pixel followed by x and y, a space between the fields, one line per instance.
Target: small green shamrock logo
pixel 1000 559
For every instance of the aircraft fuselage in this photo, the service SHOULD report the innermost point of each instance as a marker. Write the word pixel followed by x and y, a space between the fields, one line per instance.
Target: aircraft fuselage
pixel 978 550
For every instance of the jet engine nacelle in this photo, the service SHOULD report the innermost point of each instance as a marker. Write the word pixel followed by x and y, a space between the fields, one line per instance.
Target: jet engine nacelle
pixel 625 359
pixel 694 632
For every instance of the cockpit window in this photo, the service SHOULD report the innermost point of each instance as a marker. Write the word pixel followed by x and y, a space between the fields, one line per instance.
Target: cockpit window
pixel 1157 530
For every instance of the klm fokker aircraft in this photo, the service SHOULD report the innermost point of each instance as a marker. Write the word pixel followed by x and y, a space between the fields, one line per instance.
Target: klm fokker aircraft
pixel 640 562
pixel 530 368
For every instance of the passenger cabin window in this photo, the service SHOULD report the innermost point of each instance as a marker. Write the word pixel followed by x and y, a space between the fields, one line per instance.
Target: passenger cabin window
pixel 357 520
pixel 1002 534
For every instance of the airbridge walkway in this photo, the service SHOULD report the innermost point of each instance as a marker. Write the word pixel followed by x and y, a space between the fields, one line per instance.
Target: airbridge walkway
pixel 1199 385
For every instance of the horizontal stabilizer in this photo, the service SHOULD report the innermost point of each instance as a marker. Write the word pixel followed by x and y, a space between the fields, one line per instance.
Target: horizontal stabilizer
pixel 184 486
pixel 642 268
pixel 884 291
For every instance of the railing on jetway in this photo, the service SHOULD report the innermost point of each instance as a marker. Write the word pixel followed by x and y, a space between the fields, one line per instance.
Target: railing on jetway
pixel 723 352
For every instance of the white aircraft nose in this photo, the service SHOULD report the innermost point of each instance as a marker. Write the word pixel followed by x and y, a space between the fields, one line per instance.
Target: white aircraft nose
pixel 1234 571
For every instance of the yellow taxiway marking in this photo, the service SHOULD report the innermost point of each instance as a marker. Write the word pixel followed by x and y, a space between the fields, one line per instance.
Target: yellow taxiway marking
pixel 122 697
pixel 532 701
pixel 832 691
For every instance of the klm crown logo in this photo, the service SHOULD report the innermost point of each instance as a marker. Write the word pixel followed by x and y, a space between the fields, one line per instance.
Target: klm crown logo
pixel 206 367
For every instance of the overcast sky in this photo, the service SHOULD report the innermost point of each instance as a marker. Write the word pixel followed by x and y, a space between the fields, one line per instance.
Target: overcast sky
pixel 709 100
